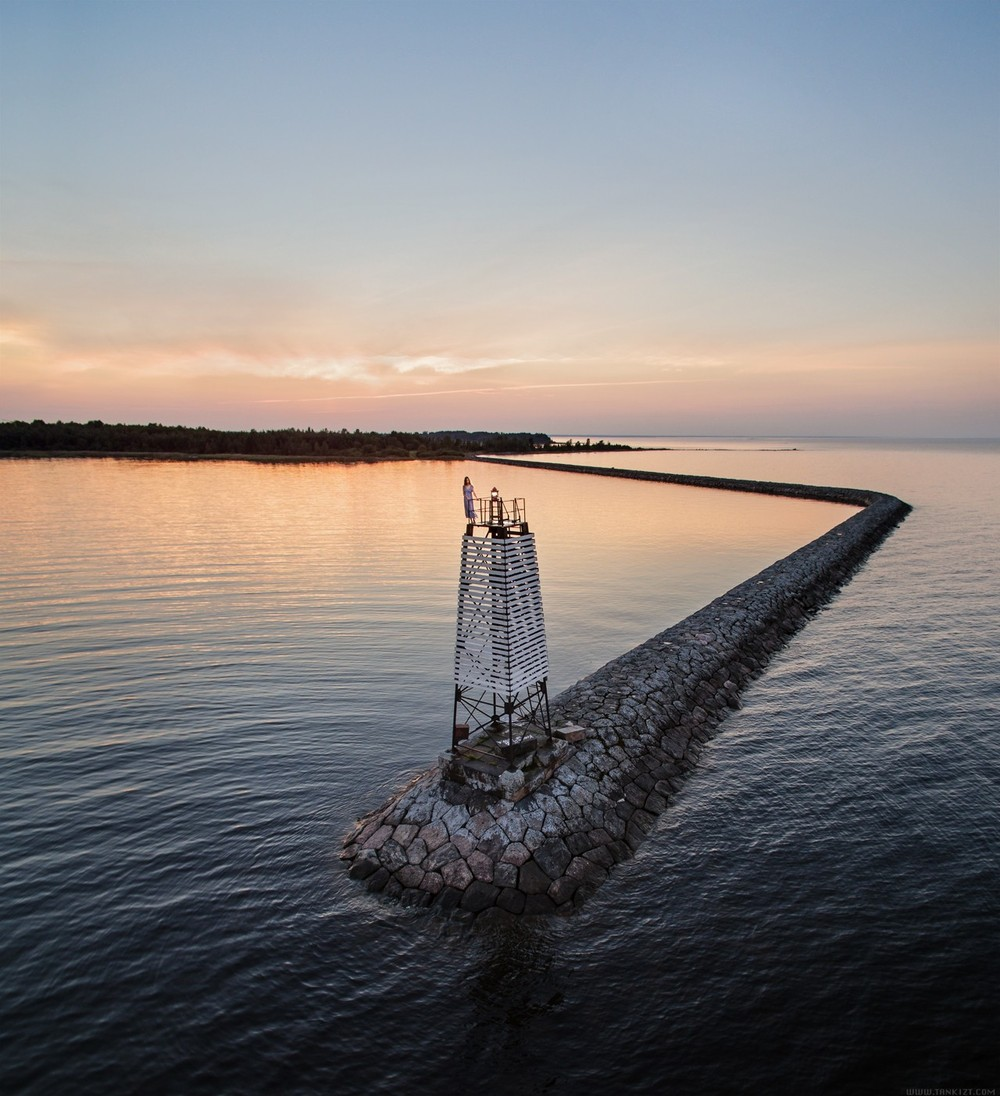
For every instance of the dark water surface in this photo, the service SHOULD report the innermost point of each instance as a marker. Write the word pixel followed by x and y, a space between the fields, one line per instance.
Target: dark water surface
pixel 209 669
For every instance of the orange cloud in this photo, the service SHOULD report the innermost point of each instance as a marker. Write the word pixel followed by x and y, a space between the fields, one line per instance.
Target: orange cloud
pixel 917 388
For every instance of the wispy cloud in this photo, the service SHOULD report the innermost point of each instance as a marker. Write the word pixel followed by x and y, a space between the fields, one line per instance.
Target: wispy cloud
pixel 446 366
pixel 480 391
pixel 19 337
pixel 376 370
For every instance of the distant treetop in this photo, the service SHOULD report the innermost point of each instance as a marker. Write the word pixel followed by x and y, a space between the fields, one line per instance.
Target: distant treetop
pixel 104 438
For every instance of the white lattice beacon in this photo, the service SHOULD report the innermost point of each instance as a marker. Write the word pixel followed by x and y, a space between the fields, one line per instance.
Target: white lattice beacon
pixel 501 660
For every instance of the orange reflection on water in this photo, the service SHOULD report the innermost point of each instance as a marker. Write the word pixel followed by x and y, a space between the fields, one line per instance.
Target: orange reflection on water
pixel 327 557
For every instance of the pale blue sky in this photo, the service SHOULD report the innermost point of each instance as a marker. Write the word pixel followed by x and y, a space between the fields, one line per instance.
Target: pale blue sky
pixel 679 217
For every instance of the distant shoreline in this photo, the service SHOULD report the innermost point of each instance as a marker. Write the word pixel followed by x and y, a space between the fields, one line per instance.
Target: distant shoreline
pixel 258 458
pixel 154 441
pixel 714 448
pixel 279 458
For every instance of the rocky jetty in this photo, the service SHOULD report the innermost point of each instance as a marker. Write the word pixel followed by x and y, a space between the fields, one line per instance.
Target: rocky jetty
pixel 627 734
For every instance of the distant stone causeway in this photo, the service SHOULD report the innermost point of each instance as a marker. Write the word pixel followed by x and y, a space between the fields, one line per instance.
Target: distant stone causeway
pixel 626 736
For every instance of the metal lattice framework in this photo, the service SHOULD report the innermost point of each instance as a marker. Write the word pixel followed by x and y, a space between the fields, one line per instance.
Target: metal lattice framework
pixel 501 659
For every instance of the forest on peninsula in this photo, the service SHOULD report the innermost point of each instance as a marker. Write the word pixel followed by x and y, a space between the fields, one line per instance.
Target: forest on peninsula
pixel 96 438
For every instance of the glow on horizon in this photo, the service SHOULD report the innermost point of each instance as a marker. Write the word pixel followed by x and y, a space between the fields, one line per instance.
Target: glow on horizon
pixel 628 218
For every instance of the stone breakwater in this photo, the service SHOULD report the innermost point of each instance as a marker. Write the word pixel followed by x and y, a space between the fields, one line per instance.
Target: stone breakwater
pixel 645 718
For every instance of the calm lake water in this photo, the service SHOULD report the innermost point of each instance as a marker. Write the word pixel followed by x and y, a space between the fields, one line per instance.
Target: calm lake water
pixel 209 669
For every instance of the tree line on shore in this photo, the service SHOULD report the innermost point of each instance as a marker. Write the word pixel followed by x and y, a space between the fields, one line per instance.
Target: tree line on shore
pixel 97 437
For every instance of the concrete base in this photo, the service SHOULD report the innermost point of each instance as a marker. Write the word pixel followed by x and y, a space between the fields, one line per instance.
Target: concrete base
pixel 487 761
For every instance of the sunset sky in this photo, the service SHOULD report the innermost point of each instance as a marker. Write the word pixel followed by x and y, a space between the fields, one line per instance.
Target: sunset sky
pixel 596 217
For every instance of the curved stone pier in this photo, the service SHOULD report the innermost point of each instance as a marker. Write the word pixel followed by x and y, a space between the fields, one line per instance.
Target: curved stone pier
pixel 644 718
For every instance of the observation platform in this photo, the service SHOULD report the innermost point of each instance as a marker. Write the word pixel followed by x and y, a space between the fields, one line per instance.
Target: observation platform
pixel 493 761
pixel 501 517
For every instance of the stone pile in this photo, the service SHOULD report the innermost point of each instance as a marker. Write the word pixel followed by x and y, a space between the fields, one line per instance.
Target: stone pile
pixel 639 722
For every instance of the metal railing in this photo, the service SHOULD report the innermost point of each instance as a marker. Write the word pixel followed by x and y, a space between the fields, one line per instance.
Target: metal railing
pixel 496 512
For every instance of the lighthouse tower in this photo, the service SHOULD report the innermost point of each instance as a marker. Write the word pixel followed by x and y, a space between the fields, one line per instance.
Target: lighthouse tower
pixel 501 661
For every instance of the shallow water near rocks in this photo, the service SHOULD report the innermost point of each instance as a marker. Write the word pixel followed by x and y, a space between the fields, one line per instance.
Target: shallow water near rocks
pixel 211 669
